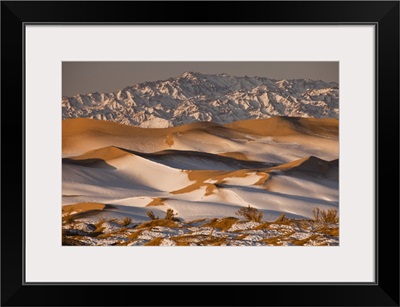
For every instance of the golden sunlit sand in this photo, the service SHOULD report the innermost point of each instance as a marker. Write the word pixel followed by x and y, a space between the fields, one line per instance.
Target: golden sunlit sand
pixel 115 175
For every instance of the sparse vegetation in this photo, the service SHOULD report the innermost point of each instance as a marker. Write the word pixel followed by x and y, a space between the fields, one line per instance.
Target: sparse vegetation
pixel 213 241
pixel 333 232
pixel 114 221
pixel 250 214
pixel 100 222
pixel 280 218
pixel 306 240
pixel 68 217
pixel 99 229
pixel 326 216
pixel 135 235
pixel 241 237
pixel 154 242
pixel 320 231
pixel 125 221
pixel 262 226
pixel 195 221
pixel 170 215
pixel 222 224
pixel 158 222
pixel 151 215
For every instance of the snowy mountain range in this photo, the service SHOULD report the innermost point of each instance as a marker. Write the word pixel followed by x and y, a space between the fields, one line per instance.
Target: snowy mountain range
pixel 194 97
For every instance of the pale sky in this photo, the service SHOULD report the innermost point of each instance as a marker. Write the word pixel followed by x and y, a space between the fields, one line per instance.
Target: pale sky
pixel 104 77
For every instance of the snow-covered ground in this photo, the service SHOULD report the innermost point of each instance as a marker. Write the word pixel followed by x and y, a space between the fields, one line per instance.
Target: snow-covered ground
pixel 206 232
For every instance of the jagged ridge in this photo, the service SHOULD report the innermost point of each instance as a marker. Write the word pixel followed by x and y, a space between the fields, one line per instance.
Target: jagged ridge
pixel 219 98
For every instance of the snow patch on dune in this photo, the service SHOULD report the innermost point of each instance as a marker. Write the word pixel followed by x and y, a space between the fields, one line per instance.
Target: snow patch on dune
pixel 150 174
pixel 249 179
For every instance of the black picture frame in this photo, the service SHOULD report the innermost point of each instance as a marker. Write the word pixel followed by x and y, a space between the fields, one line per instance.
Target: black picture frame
pixel 384 15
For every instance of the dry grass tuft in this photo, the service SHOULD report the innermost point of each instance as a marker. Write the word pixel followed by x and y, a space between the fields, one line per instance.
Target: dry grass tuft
pixel 183 240
pixel 100 222
pixel 155 241
pixel 125 221
pixel 135 235
pixel 275 241
pixel 183 243
pixel 116 221
pixel 250 214
pixel 326 216
pixel 170 215
pixel 68 217
pixel 262 226
pixel 222 224
pixel 195 222
pixel 109 235
pixel 306 240
pixel 242 236
pixel 162 223
pixel 280 218
pixel 151 215
pixel 333 232
pixel 278 240
pixel 213 241
pixel 99 230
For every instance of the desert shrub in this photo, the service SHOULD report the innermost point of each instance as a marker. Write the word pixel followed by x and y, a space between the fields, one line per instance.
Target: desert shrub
pixel 280 218
pixel 190 223
pixel 222 224
pixel 326 216
pixel 333 232
pixel 135 235
pixel 250 214
pixel 100 222
pixel 125 221
pixel 170 215
pixel 213 241
pixel 158 222
pixel 241 236
pixel 155 241
pixel 151 215
pixel 305 241
pixel 68 218
pixel 99 230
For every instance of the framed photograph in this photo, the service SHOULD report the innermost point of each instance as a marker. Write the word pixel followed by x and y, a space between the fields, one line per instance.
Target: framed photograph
pixel 255 151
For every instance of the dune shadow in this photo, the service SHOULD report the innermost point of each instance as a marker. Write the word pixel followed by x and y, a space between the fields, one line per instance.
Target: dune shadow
pixel 311 200
pixel 93 162
pixel 178 158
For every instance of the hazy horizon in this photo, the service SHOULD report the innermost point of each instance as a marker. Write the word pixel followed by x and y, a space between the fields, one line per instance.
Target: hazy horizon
pixel 105 77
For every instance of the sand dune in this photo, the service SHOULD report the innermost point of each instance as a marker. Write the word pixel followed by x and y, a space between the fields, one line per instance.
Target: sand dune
pixel 285 126
pixel 193 160
pixel 127 171
pixel 181 159
pixel 310 164
pixel 105 154
pixel 82 207
pixel 130 180
pixel 202 170
pixel 273 140
pixel 81 135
